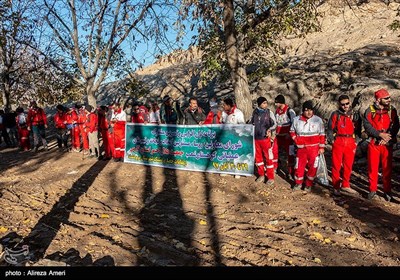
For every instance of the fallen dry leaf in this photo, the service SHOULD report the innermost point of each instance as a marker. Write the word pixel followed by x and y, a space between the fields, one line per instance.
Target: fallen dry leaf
pixel 317 260
pixel 327 240
pixel 318 235
pixel 3 229
pixel 351 239
pixel 316 222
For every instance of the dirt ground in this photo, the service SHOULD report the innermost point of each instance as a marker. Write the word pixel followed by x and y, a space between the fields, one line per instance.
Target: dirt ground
pixel 75 211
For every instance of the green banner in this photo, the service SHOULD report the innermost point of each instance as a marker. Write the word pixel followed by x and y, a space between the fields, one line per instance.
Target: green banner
pixel 208 148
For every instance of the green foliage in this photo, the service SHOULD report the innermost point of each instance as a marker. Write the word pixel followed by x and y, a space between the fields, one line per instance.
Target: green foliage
pixel 395 25
pixel 258 33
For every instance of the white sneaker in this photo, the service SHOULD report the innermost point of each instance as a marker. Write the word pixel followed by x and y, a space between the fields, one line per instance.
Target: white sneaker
pixel 223 174
pixel 237 176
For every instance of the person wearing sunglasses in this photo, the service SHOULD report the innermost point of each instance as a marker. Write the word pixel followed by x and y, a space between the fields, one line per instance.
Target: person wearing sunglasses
pixel 343 127
pixel 381 123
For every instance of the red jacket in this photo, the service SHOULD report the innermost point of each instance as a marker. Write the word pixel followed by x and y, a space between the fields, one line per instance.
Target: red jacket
pixel 92 122
pixel 213 118
pixel 378 120
pixel 103 122
pixel 60 120
pixel 36 116
pixel 72 117
pixel 308 132
pixel 82 117
pixel 139 118
pixel 343 124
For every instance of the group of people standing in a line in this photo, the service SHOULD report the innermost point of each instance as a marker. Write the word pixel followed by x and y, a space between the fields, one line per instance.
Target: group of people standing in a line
pixel 301 137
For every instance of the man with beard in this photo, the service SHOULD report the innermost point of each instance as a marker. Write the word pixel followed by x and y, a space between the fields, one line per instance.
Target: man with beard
pixel 343 126
pixel 381 124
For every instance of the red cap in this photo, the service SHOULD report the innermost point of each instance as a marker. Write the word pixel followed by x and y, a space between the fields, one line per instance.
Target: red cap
pixel 382 93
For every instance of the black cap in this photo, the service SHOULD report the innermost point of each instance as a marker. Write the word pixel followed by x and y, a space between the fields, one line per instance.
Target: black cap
pixel 89 108
pixel 280 99
pixel 260 100
pixel 308 105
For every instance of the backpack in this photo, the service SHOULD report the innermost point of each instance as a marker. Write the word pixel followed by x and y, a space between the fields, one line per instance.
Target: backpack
pixel 355 120
pixel 390 112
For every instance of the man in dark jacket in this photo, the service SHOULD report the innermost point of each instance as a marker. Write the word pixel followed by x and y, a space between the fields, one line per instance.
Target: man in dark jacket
pixel 264 124
pixel 168 114
pixel 3 129
pixel 193 115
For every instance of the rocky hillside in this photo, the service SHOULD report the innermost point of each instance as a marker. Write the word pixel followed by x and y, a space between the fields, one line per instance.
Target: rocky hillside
pixel 354 53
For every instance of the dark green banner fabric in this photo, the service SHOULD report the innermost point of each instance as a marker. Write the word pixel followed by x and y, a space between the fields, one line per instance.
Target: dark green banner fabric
pixel 208 148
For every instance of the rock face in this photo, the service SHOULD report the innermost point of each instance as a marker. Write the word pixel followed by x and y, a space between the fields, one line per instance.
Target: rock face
pixel 355 53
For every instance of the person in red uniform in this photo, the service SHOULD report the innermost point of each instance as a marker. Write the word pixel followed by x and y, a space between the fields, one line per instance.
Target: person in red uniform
pixel 91 127
pixel 284 117
pixel 308 134
pixel 23 132
pixel 264 124
pixel 82 118
pixel 60 120
pixel 72 126
pixel 105 134
pixel 381 123
pixel 138 114
pixel 343 127
pixel 118 122
pixel 215 114
pixel 37 122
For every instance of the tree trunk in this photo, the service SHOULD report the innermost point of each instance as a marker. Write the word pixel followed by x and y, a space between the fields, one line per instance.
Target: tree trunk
pixel 90 91
pixel 91 99
pixel 5 91
pixel 239 76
